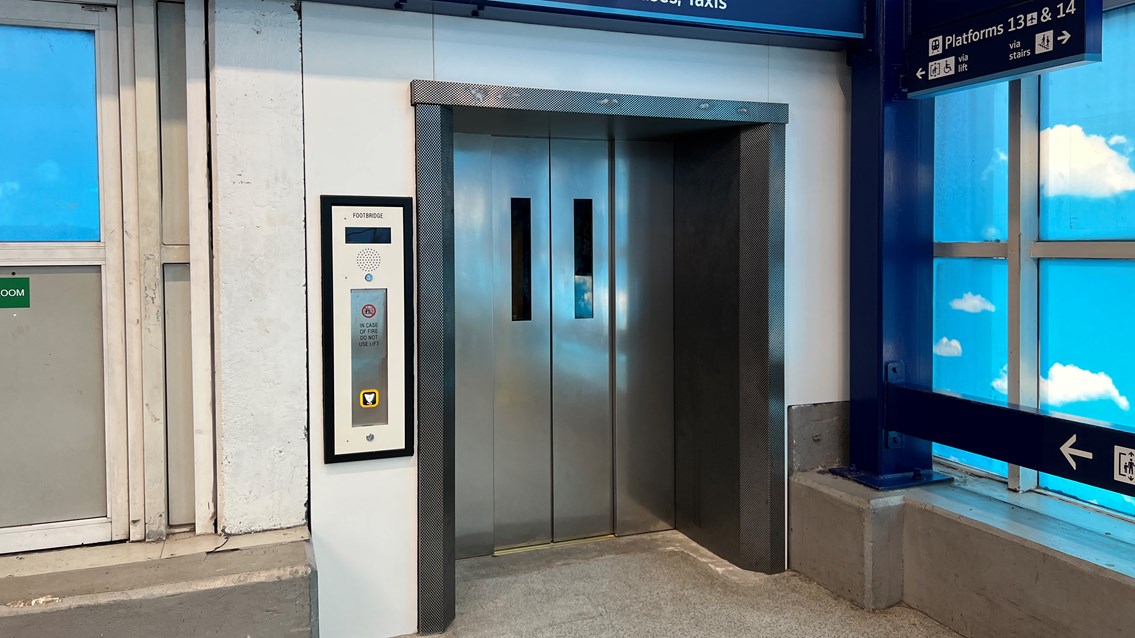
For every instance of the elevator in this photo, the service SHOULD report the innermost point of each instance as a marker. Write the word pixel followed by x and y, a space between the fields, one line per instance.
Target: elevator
pixel 600 320
pixel 563 259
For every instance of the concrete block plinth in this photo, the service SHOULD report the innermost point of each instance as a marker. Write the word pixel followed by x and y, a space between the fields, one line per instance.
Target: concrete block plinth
pixel 847 537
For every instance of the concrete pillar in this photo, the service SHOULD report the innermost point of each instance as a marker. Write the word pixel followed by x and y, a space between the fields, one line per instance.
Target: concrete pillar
pixel 259 264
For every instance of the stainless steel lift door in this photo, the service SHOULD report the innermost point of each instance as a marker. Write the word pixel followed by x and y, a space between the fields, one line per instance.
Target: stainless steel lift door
pixel 644 336
pixel 538 456
pixel 522 336
pixel 582 462
pixel 476 388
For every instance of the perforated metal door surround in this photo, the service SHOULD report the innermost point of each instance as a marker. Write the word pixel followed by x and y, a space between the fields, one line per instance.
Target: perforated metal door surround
pixel 436 369
pixel 761 347
pixel 762 438
pixel 729 343
pixel 493 96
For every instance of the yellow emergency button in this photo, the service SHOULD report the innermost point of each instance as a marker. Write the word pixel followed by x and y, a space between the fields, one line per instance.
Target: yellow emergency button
pixel 369 398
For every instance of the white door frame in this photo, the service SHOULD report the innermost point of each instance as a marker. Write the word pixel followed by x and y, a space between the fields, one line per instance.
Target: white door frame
pixel 108 255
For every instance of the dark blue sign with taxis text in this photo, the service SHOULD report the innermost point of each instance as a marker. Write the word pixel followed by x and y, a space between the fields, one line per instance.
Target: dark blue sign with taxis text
pixel 1001 42
pixel 817 18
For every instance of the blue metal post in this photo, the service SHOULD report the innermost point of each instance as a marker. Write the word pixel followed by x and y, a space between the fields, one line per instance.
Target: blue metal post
pixel 892 247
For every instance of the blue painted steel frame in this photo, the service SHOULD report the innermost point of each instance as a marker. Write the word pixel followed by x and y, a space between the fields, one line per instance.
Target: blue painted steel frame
pixel 894 414
pixel 892 247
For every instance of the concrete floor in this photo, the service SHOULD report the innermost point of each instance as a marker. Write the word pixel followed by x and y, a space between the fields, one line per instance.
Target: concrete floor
pixel 656 586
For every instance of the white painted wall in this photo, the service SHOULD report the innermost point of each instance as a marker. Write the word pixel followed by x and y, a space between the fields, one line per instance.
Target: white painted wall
pixel 359 140
pixel 259 287
pixel 817 88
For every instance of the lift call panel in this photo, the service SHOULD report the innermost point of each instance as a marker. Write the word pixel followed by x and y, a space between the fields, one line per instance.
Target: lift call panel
pixel 367 328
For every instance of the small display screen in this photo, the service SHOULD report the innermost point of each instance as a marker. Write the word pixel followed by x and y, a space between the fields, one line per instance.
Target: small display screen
pixel 368 235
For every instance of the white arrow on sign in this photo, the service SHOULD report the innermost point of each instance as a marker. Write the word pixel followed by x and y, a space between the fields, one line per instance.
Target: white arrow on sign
pixel 1064 37
pixel 1070 451
pixel 921 72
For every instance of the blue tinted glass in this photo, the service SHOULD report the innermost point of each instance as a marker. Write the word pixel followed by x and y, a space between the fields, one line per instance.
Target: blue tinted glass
pixel 49 186
pixel 1087 368
pixel 971 339
pixel 1088 141
pixel 1103 498
pixel 971 165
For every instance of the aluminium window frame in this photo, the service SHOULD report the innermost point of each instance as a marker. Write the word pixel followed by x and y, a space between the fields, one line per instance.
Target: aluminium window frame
pixel 1024 251
pixel 148 254
pixel 130 200
pixel 107 255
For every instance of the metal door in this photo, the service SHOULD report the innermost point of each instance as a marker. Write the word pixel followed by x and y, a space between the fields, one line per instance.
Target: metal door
pixel 581 348
pixel 503 343
pixel 522 335
pixel 562 433
pixel 474 301
pixel 644 336
pixel 63 463
pixel 534 443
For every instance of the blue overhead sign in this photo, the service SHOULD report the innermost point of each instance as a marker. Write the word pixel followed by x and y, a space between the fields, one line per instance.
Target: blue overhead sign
pixel 1098 454
pixel 929 14
pixel 1001 42
pixel 818 18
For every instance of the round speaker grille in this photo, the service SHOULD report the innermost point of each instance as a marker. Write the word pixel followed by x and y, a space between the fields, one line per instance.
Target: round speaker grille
pixel 368 260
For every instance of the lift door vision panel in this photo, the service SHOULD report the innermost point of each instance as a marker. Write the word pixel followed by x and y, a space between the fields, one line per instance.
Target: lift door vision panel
pixel 367 339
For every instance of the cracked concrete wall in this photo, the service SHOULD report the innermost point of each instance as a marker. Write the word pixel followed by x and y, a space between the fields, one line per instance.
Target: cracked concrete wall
pixel 259 264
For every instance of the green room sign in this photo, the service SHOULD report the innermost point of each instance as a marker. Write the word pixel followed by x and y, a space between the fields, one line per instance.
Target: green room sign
pixel 15 292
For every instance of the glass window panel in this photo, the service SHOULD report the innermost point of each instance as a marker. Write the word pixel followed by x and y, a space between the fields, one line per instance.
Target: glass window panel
pixel 49 186
pixel 521 259
pixel 1088 370
pixel 584 259
pixel 1088 141
pixel 971 339
pixel 971 165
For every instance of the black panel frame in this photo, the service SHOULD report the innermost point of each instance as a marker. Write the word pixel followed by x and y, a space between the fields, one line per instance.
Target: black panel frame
pixel 327 204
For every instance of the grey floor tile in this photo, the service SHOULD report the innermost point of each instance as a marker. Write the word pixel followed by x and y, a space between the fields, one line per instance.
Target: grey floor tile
pixel 656 586
pixel 596 627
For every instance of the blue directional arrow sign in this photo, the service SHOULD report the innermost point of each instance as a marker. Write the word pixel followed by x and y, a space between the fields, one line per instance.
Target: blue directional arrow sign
pixel 1001 43
pixel 1091 452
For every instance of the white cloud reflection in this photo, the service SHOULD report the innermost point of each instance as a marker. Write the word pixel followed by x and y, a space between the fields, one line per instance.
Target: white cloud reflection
pixel 1071 384
pixel 948 347
pixel 1076 163
pixel 972 303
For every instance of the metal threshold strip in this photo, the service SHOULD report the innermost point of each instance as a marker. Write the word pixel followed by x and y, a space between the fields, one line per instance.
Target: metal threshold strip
pixel 533 548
